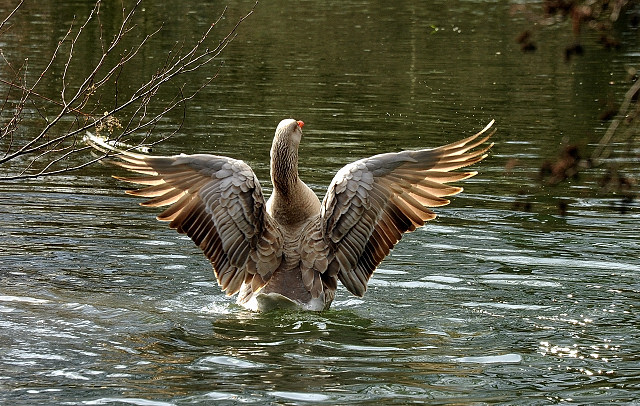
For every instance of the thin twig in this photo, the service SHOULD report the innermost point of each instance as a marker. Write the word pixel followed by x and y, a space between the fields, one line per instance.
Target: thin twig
pixel 7 18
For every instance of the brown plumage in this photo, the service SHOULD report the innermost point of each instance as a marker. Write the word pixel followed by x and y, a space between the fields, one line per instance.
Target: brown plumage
pixel 291 250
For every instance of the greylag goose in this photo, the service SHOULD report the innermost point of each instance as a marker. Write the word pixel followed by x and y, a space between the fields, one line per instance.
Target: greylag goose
pixel 291 250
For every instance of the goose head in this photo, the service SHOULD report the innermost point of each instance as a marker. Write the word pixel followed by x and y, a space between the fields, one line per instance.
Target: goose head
pixel 288 133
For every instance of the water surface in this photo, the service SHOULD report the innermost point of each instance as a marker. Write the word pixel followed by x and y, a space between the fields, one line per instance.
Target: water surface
pixel 505 298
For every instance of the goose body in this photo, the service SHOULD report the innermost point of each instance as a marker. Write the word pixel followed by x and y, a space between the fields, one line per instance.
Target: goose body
pixel 291 250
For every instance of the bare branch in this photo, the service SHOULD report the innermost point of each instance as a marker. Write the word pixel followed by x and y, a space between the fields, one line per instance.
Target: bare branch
pixel 603 150
pixel 50 151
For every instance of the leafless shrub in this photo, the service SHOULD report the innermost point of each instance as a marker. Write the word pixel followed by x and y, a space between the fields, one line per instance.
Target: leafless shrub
pixel 602 17
pixel 130 117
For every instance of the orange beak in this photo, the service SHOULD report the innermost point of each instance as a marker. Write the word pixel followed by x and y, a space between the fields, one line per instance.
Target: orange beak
pixel 300 123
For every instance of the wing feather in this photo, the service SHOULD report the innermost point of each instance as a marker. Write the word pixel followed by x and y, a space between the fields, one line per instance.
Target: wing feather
pixel 372 202
pixel 217 201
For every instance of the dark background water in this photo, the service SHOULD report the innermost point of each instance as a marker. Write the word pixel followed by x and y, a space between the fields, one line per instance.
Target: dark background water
pixel 504 298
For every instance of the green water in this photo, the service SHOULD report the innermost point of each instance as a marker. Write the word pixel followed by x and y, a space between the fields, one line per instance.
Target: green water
pixel 503 299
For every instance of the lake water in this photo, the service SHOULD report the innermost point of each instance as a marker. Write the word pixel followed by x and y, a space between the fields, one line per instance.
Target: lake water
pixel 520 292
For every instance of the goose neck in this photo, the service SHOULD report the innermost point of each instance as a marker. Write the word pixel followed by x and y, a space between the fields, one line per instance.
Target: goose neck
pixel 284 168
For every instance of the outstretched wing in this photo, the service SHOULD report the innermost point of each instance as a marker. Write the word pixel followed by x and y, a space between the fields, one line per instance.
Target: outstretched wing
pixel 372 202
pixel 215 200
